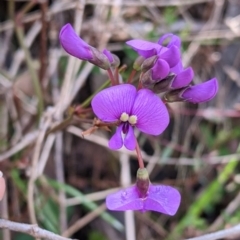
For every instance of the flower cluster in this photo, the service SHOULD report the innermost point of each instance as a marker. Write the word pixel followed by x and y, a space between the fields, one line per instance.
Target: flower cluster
pixel 162 71
pixel 127 107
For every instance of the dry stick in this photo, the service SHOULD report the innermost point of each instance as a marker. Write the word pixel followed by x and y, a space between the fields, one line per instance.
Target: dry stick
pixel 4 214
pixel 153 3
pixel 26 141
pixel 84 221
pixel 43 41
pixel 232 232
pixel 34 172
pixel 125 179
pixel 60 178
pixel 29 229
pixel 96 196
pixel 168 161
pixel 61 107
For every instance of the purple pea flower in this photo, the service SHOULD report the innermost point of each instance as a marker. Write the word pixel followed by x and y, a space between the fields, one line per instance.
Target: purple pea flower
pixel 131 108
pixel 144 196
pixel 201 92
pixel 160 198
pixel 198 93
pixel 167 57
pixel 78 48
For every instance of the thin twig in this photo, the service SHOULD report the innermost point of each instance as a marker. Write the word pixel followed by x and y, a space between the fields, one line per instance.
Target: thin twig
pixel 85 220
pixel 227 233
pixel 30 229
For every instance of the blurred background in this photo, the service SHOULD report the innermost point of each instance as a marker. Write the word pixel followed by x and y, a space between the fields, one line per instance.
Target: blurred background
pixel 58 179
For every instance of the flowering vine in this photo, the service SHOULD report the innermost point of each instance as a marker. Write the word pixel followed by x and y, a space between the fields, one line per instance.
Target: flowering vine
pixel 126 107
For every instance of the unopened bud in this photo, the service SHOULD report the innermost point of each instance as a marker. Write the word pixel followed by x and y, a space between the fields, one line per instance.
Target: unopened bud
pixel 138 63
pixel 146 79
pixel 149 63
pixel 99 59
pixel 142 181
pixel 175 95
pixel 116 61
pixel 164 85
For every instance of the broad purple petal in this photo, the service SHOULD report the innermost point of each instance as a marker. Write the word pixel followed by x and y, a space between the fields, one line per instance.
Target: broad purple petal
pixel 144 48
pixel 152 114
pixel 110 103
pixel 202 92
pixel 116 141
pixel 171 56
pixel 124 200
pixel 73 44
pixel 108 55
pixel 160 69
pixel 175 40
pixel 130 140
pixel 183 79
pixel 164 199
pixel 177 68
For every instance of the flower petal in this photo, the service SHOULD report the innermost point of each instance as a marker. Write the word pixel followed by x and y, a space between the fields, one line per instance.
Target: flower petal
pixel 124 200
pixel 130 140
pixel 175 40
pixel 73 44
pixel 164 199
pixel 108 55
pixel 110 103
pixel 183 79
pixel 144 48
pixel 160 69
pixel 202 92
pixel 177 68
pixel 116 141
pixel 152 114
pixel 171 56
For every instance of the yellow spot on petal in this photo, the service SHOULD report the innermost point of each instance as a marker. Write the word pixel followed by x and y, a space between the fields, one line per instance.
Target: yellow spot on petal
pixel 124 117
pixel 132 119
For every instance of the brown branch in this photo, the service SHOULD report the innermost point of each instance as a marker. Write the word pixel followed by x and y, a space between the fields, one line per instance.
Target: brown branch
pixel 30 229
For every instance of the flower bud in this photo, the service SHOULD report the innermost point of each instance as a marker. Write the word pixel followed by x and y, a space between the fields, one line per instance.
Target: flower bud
pixel 175 95
pixel 164 85
pixel 138 63
pixel 99 59
pixel 142 181
pixel 148 63
pixel 146 79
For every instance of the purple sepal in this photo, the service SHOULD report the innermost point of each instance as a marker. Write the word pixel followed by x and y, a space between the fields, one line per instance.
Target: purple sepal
pixel 202 92
pixel 73 44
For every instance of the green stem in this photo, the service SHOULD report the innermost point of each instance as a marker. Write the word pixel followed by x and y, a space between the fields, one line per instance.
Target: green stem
pixel 89 99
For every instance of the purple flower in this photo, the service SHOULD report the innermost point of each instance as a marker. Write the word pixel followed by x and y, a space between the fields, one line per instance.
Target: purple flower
pixel 73 44
pixel 175 81
pixel 159 198
pixel 202 92
pixel 199 93
pixel 144 196
pixel 131 108
pixel 78 48
pixel 168 57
